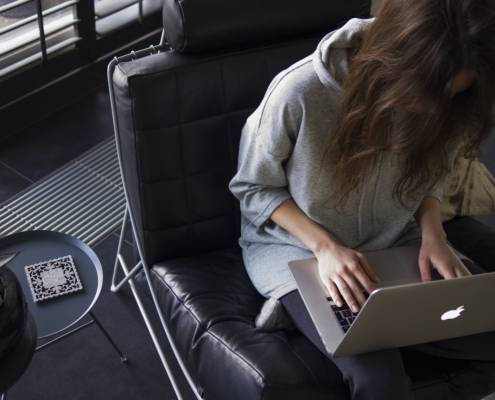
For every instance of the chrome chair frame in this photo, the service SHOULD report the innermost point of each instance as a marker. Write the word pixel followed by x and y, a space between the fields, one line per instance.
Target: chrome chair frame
pixel 129 274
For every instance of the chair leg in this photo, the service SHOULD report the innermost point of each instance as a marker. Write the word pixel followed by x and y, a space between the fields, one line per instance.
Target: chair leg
pixel 151 331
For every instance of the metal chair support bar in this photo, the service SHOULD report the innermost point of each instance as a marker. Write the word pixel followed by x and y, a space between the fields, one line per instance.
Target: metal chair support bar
pixel 119 261
pixel 115 287
pixel 144 314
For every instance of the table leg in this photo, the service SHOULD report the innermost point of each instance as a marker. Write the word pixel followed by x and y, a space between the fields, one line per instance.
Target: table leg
pixel 123 358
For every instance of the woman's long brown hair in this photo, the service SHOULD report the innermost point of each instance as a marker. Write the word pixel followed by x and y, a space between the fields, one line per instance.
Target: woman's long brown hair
pixel 397 95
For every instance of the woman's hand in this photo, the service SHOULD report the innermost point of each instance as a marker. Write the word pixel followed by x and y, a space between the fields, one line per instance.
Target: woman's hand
pixel 344 272
pixel 436 253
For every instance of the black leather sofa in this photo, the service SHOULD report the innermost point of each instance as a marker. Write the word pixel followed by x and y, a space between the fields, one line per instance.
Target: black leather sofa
pixel 179 115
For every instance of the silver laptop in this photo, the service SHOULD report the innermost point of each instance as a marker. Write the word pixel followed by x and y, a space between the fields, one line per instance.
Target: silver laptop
pixel 402 310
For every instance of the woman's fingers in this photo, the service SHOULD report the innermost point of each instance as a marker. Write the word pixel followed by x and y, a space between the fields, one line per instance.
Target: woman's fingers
pixel 425 268
pixel 448 272
pixel 363 278
pixel 354 286
pixel 334 293
pixel 460 272
pixel 463 270
pixel 346 293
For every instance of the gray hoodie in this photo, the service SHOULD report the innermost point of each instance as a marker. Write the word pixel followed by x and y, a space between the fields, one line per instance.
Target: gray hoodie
pixel 279 158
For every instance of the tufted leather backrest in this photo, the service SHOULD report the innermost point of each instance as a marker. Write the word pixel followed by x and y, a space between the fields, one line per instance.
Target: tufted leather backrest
pixel 180 118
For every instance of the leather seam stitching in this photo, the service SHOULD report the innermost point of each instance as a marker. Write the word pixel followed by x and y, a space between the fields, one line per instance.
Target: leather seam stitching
pixel 230 145
pixel 223 115
pixel 187 224
pixel 237 355
pixel 142 216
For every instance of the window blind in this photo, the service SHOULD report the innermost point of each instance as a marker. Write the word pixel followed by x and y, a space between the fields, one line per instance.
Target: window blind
pixel 111 15
pixel 35 31
pixel 32 31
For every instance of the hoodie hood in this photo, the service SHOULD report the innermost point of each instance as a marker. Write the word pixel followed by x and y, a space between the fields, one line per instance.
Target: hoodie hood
pixel 330 56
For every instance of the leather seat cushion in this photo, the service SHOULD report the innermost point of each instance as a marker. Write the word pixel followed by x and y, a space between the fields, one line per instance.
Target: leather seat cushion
pixel 210 306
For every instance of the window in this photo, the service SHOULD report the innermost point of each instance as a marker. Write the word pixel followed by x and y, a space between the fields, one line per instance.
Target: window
pixel 34 32
pixel 111 15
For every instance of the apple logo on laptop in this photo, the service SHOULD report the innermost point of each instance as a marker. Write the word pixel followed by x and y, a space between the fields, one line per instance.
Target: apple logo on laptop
pixel 452 314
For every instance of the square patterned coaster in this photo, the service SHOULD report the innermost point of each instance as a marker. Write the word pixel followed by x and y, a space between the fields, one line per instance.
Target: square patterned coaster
pixel 52 278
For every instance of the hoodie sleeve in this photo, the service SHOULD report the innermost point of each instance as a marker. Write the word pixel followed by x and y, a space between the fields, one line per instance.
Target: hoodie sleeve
pixel 438 190
pixel 267 140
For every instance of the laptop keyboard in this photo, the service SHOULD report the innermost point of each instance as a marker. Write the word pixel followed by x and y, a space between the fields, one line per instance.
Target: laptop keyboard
pixel 344 314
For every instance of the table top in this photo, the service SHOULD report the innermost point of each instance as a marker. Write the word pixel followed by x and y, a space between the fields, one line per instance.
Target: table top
pixel 56 314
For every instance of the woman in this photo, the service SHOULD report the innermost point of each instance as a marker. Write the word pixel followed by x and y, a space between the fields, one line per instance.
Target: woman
pixel 346 154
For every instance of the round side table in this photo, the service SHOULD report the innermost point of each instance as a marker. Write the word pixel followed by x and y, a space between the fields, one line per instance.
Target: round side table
pixel 57 317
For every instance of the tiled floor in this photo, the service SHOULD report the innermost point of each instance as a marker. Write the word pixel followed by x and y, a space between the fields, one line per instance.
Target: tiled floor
pixel 12 182
pixel 51 143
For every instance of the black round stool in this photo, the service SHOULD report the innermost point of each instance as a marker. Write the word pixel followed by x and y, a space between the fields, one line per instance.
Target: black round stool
pixel 18 336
